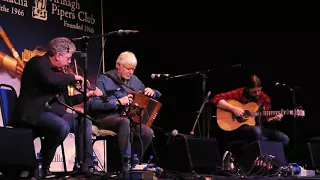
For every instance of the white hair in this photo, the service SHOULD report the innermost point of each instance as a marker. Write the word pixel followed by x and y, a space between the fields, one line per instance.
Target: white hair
pixel 127 57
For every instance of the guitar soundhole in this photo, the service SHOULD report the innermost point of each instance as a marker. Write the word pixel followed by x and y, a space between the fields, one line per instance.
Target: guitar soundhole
pixel 246 115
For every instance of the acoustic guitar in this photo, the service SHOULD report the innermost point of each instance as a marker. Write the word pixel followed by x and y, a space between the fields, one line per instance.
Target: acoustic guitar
pixel 229 122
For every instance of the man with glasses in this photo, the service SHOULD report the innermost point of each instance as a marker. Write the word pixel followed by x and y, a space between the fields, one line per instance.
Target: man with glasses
pixel 41 101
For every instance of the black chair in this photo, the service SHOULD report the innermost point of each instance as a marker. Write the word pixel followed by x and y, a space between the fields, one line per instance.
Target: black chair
pixel 8 100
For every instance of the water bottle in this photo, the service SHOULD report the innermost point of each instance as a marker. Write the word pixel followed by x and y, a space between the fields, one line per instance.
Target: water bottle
pixel 39 173
pixel 95 163
pixel 150 160
pixel 135 160
pixel 126 162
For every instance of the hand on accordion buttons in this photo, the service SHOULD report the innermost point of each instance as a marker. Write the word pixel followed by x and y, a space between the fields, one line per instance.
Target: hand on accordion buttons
pixel 126 99
pixel 149 92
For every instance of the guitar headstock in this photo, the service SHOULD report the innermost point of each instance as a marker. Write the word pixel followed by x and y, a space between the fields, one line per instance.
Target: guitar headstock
pixel 300 112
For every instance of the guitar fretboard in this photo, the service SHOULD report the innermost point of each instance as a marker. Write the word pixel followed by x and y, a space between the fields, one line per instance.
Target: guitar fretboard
pixel 273 113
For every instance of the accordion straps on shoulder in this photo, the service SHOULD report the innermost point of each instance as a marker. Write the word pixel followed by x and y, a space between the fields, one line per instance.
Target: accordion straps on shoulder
pixel 119 82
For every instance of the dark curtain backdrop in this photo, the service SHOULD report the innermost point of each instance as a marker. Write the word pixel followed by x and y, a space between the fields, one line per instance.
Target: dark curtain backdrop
pixel 179 41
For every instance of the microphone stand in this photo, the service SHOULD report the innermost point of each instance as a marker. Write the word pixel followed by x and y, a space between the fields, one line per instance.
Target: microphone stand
pixel 78 112
pixel 199 113
pixel 131 134
pixel 82 123
pixel 293 90
pixel 120 32
pixel 260 115
pixel 81 115
pixel 206 118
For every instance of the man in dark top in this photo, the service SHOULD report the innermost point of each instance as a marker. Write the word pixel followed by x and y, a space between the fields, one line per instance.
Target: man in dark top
pixel 43 88
pixel 108 114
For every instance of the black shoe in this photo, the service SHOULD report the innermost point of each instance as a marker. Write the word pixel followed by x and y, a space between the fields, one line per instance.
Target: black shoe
pixel 91 169
pixel 48 174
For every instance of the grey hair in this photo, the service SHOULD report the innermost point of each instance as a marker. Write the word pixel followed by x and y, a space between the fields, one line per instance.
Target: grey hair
pixel 127 57
pixel 61 44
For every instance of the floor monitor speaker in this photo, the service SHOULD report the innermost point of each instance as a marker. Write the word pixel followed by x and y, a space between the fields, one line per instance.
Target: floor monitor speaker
pixel 186 153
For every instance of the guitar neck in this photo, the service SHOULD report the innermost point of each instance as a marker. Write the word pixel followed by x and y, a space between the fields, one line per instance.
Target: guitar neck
pixel 273 113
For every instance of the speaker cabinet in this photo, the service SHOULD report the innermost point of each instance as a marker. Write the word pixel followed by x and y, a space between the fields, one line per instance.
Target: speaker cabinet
pixel 308 155
pixel 249 153
pixel 314 154
pixel 17 151
pixel 186 153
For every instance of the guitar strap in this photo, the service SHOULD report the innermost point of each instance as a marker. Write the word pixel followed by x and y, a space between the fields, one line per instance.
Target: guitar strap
pixel 119 82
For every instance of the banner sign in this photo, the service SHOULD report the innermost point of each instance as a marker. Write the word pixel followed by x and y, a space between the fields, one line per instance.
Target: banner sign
pixel 27 26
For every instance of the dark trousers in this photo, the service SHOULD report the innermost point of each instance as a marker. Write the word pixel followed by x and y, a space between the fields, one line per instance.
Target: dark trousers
pixel 121 125
pixel 249 134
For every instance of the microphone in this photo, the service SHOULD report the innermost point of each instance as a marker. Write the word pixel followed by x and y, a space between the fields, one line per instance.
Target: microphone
pixel 156 76
pixel 280 85
pixel 51 101
pixel 80 38
pixel 171 135
pixel 208 95
pixel 236 65
pixel 174 132
pixel 122 32
pixel 284 85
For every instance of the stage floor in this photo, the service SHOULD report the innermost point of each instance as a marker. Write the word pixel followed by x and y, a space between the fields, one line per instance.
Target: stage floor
pixel 188 176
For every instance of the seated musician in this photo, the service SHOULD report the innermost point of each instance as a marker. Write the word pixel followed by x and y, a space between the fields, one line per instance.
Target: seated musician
pixel 252 92
pixel 110 114
pixel 40 104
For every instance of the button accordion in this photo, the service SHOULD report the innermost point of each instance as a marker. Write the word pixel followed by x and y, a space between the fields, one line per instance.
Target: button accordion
pixel 143 109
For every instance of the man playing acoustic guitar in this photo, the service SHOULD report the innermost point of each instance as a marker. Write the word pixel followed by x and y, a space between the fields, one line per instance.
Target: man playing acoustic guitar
pixel 244 113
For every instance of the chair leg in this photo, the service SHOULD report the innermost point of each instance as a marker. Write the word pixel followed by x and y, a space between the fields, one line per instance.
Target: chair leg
pixel 64 158
pixel 105 168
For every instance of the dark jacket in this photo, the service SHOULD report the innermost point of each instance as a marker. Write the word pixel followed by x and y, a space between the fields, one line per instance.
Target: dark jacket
pixel 39 84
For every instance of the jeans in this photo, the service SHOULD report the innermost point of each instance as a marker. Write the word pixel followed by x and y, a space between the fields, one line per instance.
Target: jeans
pixel 55 129
pixel 121 125
pixel 276 135
pixel 249 134
pixel 254 133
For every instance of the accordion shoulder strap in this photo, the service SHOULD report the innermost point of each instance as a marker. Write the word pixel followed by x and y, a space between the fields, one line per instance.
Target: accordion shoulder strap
pixel 118 81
